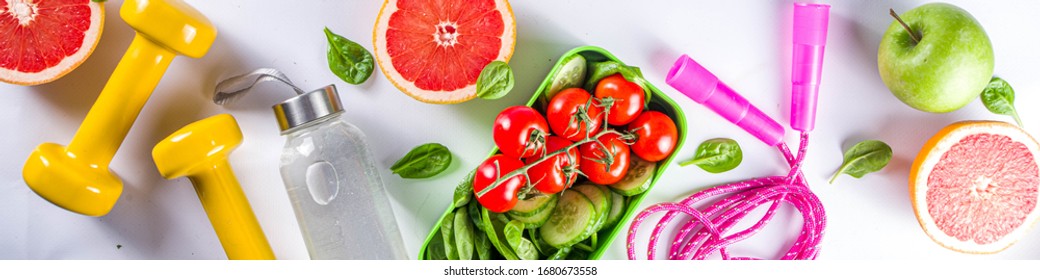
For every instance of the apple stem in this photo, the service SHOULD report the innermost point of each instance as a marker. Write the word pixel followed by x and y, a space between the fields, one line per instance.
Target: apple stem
pixel 907 27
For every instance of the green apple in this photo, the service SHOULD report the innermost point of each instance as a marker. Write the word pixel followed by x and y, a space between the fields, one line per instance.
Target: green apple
pixel 949 66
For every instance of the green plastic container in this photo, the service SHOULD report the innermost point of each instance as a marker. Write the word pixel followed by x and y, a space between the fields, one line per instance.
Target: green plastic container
pixel 658 102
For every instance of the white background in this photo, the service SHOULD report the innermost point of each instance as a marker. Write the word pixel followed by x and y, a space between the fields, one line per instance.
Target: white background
pixel 745 43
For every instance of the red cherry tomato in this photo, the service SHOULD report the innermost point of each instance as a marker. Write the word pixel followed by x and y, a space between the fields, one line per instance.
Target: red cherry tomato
pixel 628 98
pixel 604 163
pixel 656 136
pixel 573 110
pixel 520 131
pixel 557 173
pixel 503 196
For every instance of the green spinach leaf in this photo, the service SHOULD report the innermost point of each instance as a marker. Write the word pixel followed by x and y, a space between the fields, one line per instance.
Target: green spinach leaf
pixel 448 234
pixel 423 161
pixel 464 191
pixel 495 81
pixel 864 157
pixel 482 245
pixel 717 155
pixel 999 98
pixel 600 70
pixel 348 60
pixel 523 247
pixel 464 241
pixel 435 250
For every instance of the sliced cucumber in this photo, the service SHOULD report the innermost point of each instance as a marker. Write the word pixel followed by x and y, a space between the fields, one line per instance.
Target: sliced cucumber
pixel 538 219
pixel 600 198
pixel 532 205
pixel 570 221
pixel 617 208
pixel 571 74
pixel 637 180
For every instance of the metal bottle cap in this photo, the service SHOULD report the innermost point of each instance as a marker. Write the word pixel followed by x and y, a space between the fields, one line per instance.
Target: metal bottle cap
pixel 307 107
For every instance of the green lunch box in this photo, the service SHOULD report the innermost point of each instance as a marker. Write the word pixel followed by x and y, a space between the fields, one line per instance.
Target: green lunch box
pixel 658 102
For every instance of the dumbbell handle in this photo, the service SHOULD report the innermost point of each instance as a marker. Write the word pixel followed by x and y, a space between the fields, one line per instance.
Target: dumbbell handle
pixel 230 213
pixel 122 99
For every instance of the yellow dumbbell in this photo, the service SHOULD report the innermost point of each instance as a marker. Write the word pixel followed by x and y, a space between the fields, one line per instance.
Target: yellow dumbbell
pixel 199 151
pixel 77 177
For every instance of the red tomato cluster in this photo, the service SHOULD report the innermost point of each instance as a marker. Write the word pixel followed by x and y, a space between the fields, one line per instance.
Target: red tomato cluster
pixel 522 134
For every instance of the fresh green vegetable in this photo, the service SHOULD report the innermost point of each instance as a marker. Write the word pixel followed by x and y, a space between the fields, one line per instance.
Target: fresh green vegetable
pixel 464 191
pixel 571 74
pixel 436 249
pixel 617 209
pixel 464 234
pixel 482 245
pixel 448 235
pixel 474 214
pixel 348 60
pixel 864 157
pixel 423 161
pixel 637 180
pixel 560 254
pixel 495 81
pixel 999 98
pixel 533 205
pixel 717 155
pixel 494 227
pixel 569 224
pixel 600 70
pixel 514 232
pixel 601 200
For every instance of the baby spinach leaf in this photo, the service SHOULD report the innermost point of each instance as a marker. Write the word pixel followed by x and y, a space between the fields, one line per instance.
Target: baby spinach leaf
pixel 348 60
pixel 999 98
pixel 494 226
pixel 464 241
pixel 495 81
pixel 600 70
pixel 464 191
pixel 435 250
pixel 448 235
pixel 423 161
pixel 864 157
pixel 482 245
pixel 523 247
pixel 717 155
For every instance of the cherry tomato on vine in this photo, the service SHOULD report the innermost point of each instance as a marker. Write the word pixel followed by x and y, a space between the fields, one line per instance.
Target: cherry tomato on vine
pixel 604 163
pixel 501 197
pixel 628 98
pixel 655 136
pixel 558 172
pixel 573 110
pixel 520 131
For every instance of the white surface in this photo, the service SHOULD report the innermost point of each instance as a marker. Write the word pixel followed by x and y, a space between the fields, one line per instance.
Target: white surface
pixel 745 43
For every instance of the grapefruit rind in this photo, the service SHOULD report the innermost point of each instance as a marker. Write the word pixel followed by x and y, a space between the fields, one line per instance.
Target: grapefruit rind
pixel 930 155
pixel 436 97
pixel 67 64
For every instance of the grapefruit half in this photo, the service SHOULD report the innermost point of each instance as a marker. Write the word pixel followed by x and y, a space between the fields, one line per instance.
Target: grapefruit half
pixel 434 50
pixel 974 186
pixel 42 40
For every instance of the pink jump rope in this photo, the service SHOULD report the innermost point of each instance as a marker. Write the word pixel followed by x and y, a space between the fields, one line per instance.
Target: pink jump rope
pixel 708 229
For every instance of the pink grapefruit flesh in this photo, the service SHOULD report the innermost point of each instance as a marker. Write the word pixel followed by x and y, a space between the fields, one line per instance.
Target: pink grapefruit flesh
pixel 42 40
pixel 976 185
pixel 434 50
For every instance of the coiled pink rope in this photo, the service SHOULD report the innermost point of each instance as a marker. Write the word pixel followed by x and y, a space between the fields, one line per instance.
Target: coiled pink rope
pixel 710 226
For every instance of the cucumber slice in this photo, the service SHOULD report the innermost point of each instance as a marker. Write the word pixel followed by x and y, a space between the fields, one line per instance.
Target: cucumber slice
pixel 571 74
pixel 637 180
pixel 532 205
pixel 600 201
pixel 538 219
pixel 571 219
pixel 617 208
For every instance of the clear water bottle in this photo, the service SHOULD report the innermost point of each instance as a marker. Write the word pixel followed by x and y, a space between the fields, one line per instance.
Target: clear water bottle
pixel 340 202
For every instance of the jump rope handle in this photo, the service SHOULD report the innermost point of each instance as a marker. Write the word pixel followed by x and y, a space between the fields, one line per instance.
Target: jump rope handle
pixel 810 37
pixel 697 83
